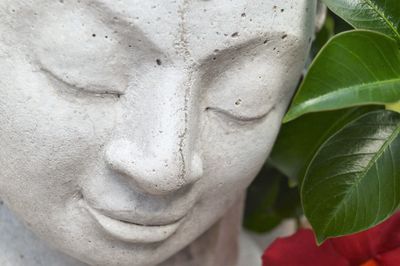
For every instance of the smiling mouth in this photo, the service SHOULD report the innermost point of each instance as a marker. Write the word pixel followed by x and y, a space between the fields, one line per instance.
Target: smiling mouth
pixel 132 232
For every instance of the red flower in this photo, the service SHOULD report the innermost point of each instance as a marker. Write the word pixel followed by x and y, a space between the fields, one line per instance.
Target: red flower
pixel 379 246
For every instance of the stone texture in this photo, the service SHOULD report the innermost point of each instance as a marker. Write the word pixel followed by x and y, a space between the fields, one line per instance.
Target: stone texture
pixel 130 129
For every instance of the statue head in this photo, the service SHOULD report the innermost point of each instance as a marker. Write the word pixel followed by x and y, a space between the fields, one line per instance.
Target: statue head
pixel 129 127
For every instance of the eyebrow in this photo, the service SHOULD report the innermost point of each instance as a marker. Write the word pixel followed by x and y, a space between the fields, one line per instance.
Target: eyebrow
pixel 251 43
pixel 105 8
pixel 106 14
pixel 267 39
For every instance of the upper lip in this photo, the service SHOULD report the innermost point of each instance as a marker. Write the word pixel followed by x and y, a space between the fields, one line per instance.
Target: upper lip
pixel 157 212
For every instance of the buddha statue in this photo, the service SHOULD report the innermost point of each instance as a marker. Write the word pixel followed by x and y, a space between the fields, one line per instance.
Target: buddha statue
pixel 131 129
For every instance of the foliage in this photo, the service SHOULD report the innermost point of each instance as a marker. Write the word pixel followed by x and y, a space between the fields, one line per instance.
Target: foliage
pixel 269 201
pixel 355 68
pixel 299 140
pixel 377 15
pixel 353 181
pixel 339 144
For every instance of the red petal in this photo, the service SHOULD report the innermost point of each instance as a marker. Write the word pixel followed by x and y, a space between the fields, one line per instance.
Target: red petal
pixel 391 258
pixel 363 246
pixel 300 250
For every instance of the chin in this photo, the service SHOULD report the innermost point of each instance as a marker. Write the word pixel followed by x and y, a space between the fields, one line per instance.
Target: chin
pixel 81 237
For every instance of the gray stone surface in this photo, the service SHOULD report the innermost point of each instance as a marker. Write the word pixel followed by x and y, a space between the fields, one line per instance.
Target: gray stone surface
pixel 130 129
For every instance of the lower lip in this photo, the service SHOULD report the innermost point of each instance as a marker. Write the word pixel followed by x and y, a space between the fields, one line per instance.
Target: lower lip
pixel 134 233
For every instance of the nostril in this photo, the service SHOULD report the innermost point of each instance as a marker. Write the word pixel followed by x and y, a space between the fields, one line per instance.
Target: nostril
pixel 119 155
pixel 154 173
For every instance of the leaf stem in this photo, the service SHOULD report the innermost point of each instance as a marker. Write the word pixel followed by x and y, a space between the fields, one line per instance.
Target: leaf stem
pixel 382 15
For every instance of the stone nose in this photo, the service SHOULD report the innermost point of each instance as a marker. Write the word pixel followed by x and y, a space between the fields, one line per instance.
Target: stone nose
pixel 154 141
pixel 160 172
pixel 154 144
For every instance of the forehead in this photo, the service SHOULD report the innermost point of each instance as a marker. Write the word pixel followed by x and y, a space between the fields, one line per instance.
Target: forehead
pixel 198 27
pixel 206 25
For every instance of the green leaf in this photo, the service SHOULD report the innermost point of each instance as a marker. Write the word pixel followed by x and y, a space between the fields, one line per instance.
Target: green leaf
pixel 378 15
pixel 299 140
pixel 269 201
pixel 323 36
pixel 355 68
pixel 353 182
pixel 340 24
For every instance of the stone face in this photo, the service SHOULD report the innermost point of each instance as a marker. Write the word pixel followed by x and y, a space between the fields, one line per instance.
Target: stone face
pixel 130 129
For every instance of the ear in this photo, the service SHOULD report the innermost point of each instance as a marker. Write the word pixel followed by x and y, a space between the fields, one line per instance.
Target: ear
pixel 321 16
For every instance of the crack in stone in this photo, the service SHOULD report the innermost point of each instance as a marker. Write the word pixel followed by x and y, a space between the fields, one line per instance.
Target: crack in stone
pixel 184 49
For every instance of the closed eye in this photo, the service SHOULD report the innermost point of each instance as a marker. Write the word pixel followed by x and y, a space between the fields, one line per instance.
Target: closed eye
pixel 241 118
pixel 78 90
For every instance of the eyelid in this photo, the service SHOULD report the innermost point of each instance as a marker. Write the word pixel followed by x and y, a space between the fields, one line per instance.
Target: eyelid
pixel 240 118
pixel 78 89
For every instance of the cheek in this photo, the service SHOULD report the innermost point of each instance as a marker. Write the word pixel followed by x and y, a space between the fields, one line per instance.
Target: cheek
pixel 234 153
pixel 47 140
